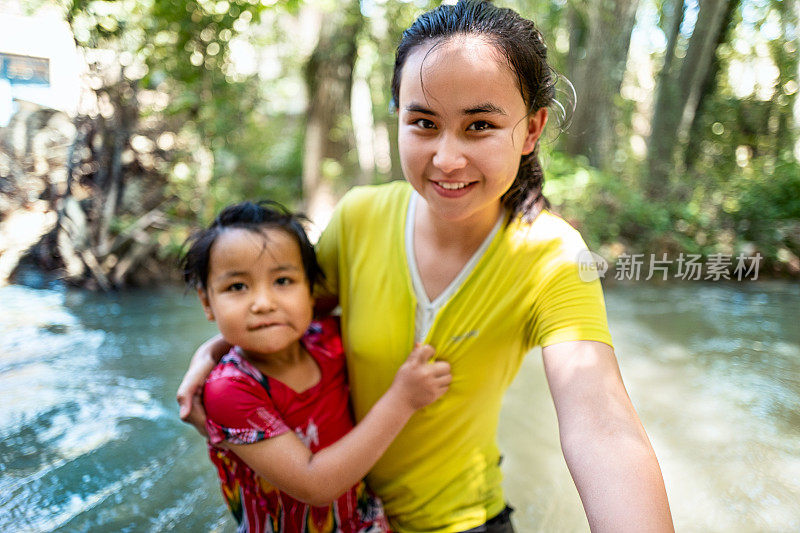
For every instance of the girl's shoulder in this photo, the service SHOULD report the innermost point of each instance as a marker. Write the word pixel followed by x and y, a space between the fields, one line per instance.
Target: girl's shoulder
pixel 547 231
pixel 376 198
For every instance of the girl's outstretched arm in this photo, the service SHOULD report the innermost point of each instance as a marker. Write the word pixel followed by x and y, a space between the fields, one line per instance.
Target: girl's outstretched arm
pixel 319 478
pixel 203 362
pixel 605 446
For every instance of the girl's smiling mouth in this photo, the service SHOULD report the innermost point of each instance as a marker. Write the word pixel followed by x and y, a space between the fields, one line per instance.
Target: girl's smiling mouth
pixel 452 189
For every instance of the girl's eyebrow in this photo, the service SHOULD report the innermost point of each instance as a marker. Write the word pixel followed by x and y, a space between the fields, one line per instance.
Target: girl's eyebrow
pixel 479 109
pixel 418 108
pixel 487 107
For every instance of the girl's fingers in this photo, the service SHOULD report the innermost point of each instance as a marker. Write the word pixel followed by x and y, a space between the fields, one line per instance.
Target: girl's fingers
pixel 184 409
pixel 185 405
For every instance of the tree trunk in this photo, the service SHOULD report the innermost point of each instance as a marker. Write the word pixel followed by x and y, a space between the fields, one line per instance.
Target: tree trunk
pixel 329 138
pixel 692 145
pixel 598 77
pixel 679 96
pixel 785 102
pixel 667 97
pixel 576 22
pixel 673 13
pixel 126 114
pixel 796 106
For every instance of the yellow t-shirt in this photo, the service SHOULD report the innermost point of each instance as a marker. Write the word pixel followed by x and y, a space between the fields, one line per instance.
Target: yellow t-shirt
pixel 442 474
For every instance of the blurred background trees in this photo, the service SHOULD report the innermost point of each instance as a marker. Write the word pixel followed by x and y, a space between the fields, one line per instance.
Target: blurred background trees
pixel 683 135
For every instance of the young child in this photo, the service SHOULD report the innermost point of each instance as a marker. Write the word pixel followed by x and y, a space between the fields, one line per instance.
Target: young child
pixel 279 423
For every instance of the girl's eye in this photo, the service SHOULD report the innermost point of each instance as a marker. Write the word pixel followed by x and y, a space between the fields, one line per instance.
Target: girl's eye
pixel 479 125
pixel 283 281
pixel 236 287
pixel 424 123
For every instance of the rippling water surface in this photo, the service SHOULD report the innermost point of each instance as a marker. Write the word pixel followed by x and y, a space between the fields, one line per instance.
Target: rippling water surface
pixel 90 440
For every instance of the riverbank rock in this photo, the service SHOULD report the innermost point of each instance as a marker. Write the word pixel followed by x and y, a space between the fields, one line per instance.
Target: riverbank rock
pixel 33 156
pixel 20 231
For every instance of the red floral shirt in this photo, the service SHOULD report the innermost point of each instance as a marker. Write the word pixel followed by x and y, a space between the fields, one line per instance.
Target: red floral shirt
pixel 245 406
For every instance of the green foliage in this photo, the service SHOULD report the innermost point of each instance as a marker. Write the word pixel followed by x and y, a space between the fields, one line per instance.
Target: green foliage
pixel 754 210
pixel 735 184
pixel 228 145
pixel 764 207
pixel 604 207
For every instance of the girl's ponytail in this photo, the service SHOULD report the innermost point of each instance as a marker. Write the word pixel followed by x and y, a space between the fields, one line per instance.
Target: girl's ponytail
pixel 525 198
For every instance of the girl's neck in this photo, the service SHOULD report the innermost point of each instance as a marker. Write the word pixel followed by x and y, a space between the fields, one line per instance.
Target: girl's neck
pixel 442 247
pixel 465 234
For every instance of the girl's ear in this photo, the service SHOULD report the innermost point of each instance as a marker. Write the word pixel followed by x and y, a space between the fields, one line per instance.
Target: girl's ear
pixel 536 122
pixel 203 295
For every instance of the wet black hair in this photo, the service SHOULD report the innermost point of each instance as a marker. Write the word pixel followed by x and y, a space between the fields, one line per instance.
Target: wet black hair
pixel 521 44
pixel 251 216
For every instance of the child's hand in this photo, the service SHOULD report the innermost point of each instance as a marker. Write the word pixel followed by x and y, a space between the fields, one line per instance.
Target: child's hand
pixel 420 382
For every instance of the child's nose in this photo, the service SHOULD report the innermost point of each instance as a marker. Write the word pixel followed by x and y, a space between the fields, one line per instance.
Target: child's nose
pixel 262 302
pixel 449 155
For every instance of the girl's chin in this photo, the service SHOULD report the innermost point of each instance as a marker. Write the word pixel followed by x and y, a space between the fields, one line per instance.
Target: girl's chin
pixel 464 214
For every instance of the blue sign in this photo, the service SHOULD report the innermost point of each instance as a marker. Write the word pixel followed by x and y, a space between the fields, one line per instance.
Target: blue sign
pixel 25 70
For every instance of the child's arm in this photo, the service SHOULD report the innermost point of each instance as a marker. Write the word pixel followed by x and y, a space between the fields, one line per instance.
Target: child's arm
pixel 203 361
pixel 319 478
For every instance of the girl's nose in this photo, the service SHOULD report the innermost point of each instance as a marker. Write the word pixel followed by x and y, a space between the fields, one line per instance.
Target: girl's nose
pixel 449 154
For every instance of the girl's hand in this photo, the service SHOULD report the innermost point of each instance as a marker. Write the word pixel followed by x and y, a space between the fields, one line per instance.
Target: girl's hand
pixel 191 388
pixel 420 381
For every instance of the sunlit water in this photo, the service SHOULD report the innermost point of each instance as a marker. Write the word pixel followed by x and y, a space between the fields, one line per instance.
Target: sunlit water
pixel 90 440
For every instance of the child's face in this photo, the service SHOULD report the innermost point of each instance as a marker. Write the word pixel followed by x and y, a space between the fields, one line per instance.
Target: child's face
pixel 463 127
pixel 257 290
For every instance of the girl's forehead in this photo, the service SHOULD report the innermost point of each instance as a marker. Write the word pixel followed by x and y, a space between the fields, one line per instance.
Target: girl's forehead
pixel 475 50
pixel 457 68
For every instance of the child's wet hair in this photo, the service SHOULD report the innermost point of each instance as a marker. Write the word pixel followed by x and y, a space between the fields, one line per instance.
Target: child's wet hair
pixel 250 216
pixel 522 46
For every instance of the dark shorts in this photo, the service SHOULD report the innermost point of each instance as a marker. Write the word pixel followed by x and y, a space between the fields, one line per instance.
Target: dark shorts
pixel 499 524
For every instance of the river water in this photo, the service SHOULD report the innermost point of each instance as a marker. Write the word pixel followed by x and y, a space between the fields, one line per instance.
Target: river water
pixel 90 440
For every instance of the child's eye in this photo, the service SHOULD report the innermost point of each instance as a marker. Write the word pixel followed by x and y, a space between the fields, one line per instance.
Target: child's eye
pixel 284 281
pixel 479 125
pixel 236 287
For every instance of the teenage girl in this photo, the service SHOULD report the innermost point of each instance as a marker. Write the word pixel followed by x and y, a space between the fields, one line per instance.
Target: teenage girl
pixel 465 256
pixel 279 422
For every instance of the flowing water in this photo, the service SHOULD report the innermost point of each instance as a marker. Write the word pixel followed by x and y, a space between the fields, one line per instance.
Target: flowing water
pixel 90 440
pixel 714 373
